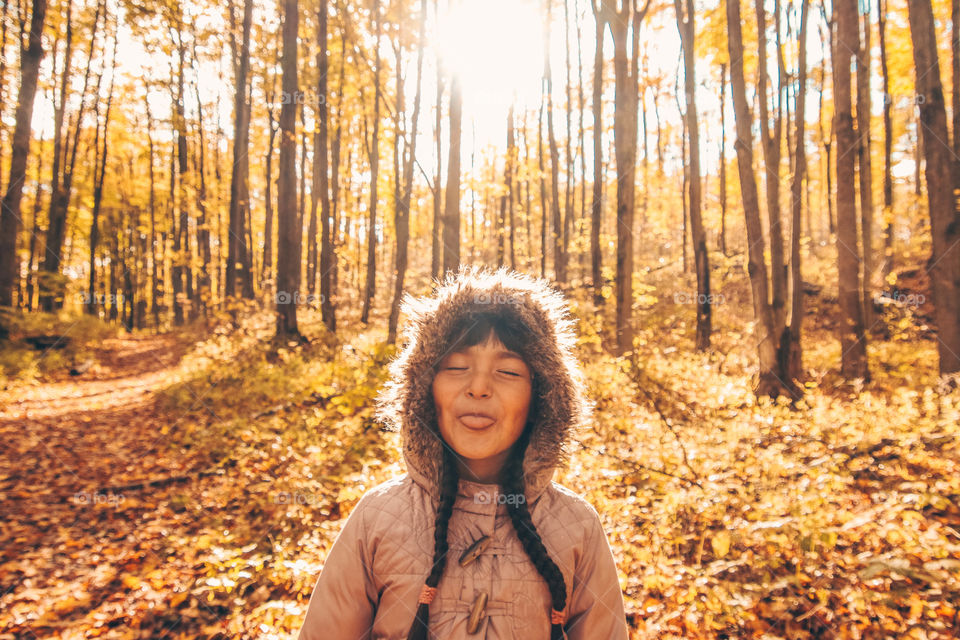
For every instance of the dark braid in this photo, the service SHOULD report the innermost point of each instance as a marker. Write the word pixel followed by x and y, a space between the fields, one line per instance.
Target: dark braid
pixel 448 495
pixel 527 533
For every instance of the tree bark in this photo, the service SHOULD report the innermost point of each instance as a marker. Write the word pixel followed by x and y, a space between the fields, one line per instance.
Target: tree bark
pixel 770 142
pixel 99 174
pixel 790 343
pixel 597 204
pixel 327 255
pixel 557 246
pixel 451 214
pixel 888 218
pixel 402 219
pixel 374 152
pixel 30 58
pixel 853 345
pixel 288 251
pixel 685 26
pixel 865 173
pixel 625 146
pixel 239 204
pixel 944 263
pixel 770 382
pixel 436 256
pixel 723 159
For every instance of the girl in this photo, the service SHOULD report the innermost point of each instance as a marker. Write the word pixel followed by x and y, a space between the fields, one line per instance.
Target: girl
pixel 475 541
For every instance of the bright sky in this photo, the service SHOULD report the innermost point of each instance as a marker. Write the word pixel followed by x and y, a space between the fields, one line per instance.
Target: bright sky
pixel 496 47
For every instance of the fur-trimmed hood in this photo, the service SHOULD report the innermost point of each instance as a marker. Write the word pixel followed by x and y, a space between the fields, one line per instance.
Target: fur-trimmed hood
pixel 406 402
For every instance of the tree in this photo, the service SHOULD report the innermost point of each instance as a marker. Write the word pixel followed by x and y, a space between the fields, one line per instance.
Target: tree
pixel 625 146
pixel 373 150
pixel 865 173
pixel 770 143
pixel 30 57
pixel 237 259
pixel 99 174
pixel 596 205
pixel 320 183
pixel 770 381
pixel 686 27
pixel 402 209
pixel 853 341
pixel 944 263
pixel 790 342
pixel 557 246
pixel 451 211
pixel 63 172
pixel 288 251
pixel 887 265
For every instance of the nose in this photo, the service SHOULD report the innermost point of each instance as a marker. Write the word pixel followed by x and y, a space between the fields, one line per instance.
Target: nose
pixel 479 385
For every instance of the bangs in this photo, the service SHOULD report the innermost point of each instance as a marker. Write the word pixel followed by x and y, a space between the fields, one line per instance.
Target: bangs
pixel 476 328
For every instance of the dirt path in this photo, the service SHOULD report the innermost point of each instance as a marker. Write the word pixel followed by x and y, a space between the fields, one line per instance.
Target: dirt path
pixel 65 535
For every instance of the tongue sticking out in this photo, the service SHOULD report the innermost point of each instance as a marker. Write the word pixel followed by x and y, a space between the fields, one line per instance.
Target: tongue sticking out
pixel 476 422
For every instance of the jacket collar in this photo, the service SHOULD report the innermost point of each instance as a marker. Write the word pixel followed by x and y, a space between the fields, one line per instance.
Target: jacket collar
pixel 480 493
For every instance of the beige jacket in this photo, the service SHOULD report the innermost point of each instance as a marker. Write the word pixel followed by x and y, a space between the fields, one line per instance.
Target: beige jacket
pixel 373 574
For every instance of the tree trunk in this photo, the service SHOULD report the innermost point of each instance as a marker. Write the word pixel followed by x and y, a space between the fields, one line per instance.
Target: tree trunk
pixel 371 282
pixel 156 289
pixel 888 218
pixel 506 200
pixel 32 259
pixel 327 255
pixel 30 58
pixel 266 267
pixel 236 246
pixel 435 255
pixel 625 145
pixel 944 263
pixel 699 236
pixel 288 250
pixel 770 142
pixel 865 174
pixel 770 382
pixel 61 194
pixel 99 173
pixel 203 293
pixel 557 247
pixel 543 184
pixel 955 88
pixel 723 159
pixel 451 213
pixel 402 219
pixel 597 204
pixel 853 345
pixel 790 343
pixel 568 153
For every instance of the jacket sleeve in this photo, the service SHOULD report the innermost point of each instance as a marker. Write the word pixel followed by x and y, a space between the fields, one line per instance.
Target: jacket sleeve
pixel 344 599
pixel 596 604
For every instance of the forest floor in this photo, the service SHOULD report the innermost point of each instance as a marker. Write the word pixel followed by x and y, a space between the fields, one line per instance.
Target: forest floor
pixel 189 484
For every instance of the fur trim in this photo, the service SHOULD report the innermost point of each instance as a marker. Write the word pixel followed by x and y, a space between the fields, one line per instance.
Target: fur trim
pixel 406 401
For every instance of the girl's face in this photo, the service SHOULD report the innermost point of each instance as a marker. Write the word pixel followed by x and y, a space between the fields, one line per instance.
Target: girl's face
pixel 482 396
